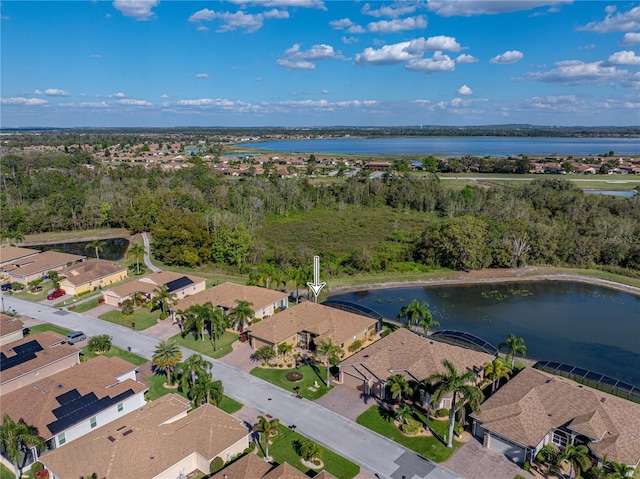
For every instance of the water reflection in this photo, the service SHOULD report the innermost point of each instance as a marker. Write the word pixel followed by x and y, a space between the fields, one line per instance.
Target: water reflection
pixel 114 249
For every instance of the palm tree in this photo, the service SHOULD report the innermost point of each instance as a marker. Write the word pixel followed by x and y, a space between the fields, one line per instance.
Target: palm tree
pixel 618 470
pixel 515 346
pixel 577 457
pixel 403 413
pixel 16 439
pixel 166 356
pixel 100 343
pixel 137 252
pixel 206 389
pixel 495 371
pixel 216 321
pixel 418 313
pixel 163 298
pixel 194 318
pixel 452 382
pixel 242 312
pixel 97 245
pixel 331 353
pixel 399 386
pixel 284 349
pixel 191 369
pixel 297 276
pixel 267 428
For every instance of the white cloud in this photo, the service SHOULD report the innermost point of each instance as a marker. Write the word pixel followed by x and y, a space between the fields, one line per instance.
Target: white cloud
pixel 625 57
pixel 138 9
pixel 465 58
pixel 440 42
pixel 630 39
pixel 164 96
pixel 393 11
pixel 576 72
pixel 465 90
pixel 202 76
pixel 590 46
pixel 460 103
pixel 620 22
pixel 341 24
pixel 324 92
pixel 355 29
pixel 52 92
pixel 204 15
pixel 237 20
pixel 132 102
pixel 5 17
pixel 23 101
pixel 558 103
pixel 296 59
pixel 385 55
pixel 95 55
pixel 467 8
pixel 117 95
pixel 439 63
pixel 508 57
pixel 284 3
pixel 202 28
pixel 398 25
pixel 348 40
pixel 258 79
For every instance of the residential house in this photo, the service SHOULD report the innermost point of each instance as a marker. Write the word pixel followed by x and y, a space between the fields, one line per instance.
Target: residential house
pixel 159 440
pixel 535 408
pixel 265 302
pixel 34 357
pixel 251 466
pixel 10 254
pixel 32 267
pixel 118 294
pixel 308 324
pixel 11 329
pixel 91 275
pixel 70 404
pixel 180 284
pixel 405 352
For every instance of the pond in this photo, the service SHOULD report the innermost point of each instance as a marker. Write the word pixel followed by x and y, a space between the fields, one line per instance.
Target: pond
pixel 625 193
pixel 584 325
pixel 114 249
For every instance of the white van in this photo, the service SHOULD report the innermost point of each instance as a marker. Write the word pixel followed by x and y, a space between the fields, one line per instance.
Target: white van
pixel 75 337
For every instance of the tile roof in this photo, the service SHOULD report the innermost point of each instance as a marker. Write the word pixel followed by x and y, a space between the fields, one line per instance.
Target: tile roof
pixel 533 402
pixel 226 294
pixel 251 466
pixel 405 350
pixel 42 262
pixel 90 270
pixel 9 324
pixel 163 277
pixel 36 402
pixel 11 253
pixel 148 441
pixel 53 349
pixel 131 287
pixel 323 321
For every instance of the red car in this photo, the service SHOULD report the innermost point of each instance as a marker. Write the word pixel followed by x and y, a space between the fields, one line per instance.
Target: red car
pixel 56 294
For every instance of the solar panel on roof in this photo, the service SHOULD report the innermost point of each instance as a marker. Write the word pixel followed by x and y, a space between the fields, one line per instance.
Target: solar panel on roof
pixel 68 397
pixel 23 353
pixel 178 283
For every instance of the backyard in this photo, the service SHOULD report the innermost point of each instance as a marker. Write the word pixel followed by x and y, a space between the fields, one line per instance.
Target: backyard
pixel 312 374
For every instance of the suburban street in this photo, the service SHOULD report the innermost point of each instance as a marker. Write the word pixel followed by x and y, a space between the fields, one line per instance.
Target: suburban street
pixel 366 448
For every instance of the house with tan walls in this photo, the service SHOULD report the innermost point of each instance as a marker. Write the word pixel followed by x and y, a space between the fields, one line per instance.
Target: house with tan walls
pixel 32 267
pixel 10 254
pixel 121 292
pixel 91 275
pixel 250 466
pixel 11 329
pixel 407 353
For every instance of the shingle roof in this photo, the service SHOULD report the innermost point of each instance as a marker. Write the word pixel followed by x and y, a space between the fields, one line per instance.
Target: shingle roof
pixel 9 324
pixel 11 253
pixel 163 277
pixel 226 295
pixel 131 287
pixel 148 441
pixel 533 402
pixel 98 375
pixel 405 350
pixel 45 261
pixel 323 321
pixel 90 270
pixel 251 466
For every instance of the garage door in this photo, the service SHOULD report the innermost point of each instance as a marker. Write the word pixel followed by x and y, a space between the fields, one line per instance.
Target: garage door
pixel 352 382
pixel 513 451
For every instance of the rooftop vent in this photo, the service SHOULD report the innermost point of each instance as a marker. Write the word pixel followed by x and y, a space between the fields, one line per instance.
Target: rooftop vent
pixel 121 428
pixel 127 432
pixel 60 386
pixel 111 438
pixel 603 399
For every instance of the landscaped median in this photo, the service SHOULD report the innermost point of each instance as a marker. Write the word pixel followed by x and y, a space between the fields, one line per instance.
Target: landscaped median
pixel 223 344
pixel 381 420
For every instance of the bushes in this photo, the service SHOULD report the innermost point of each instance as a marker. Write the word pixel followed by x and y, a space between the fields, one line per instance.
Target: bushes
pixel 442 412
pixel 411 426
pixel 355 346
pixel 216 464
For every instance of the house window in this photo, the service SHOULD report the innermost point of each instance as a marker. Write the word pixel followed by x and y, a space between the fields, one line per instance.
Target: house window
pixel 102 280
pixel 120 407
pixel 94 422
pixel 264 311
pixel 61 439
pixel 559 439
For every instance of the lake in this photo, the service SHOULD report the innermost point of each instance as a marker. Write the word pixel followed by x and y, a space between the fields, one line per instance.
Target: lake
pixel 588 326
pixel 482 146
pixel 626 194
pixel 113 250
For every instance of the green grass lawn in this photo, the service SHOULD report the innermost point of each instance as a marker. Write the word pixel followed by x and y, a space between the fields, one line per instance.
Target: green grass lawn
pixel 39 328
pixel 229 405
pixel 83 307
pixel 115 351
pixel 311 374
pixel 282 450
pixel 428 446
pixel 223 344
pixel 6 473
pixel 142 318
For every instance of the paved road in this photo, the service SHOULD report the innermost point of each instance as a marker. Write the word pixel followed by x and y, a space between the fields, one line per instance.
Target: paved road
pixel 362 446
pixel 147 258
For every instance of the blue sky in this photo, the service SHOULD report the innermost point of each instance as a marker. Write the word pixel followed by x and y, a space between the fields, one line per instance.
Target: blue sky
pixel 319 63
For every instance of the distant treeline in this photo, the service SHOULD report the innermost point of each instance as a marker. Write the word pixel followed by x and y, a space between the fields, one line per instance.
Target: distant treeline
pixel 397 223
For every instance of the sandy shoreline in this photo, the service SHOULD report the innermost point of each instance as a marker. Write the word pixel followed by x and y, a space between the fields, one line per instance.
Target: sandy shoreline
pixel 485 276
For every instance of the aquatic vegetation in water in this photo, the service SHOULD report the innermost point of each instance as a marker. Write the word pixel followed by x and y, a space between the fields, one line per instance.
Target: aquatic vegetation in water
pixel 609 296
pixel 485 318
pixel 501 295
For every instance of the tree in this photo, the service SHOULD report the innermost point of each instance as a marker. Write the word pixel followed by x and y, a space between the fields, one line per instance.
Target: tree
pixel 514 346
pixel 577 457
pixel 127 307
pixel 16 439
pixel 217 322
pixel 399 386
pixel 242 312
pixel 418 313
pixel 194 318
pixel 284 349
pixel 310 450
pixel 137 252
pixel 100 343
pixel 267 428
pixel 166 356
pixel 163 298
pixel 206 389
pixel 191 369
pixel 331 353
pixel 264 353
pixel 495 371
pixel 618 470
pixel 97 245
pixel 458 385
pixel 404 412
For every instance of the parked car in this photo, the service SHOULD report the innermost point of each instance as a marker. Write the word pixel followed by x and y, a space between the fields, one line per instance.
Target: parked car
pixel 56 294
pixel 75 337
pixel 5 287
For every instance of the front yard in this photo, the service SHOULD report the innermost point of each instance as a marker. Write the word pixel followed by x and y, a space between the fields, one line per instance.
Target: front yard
pixel 223 344
pixel 140 320
pixel 312 374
